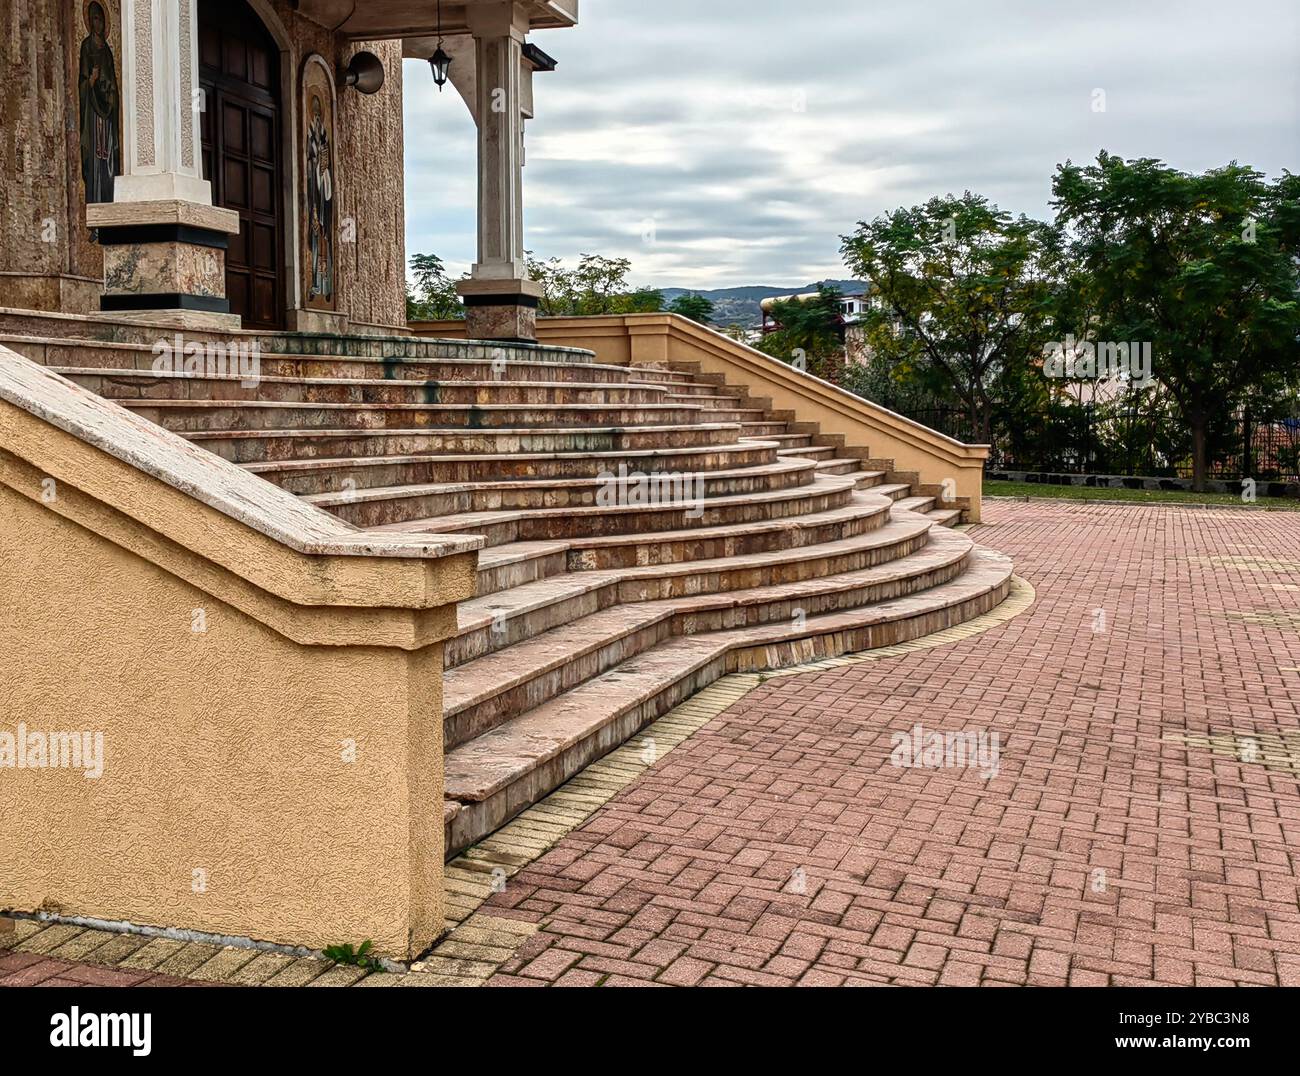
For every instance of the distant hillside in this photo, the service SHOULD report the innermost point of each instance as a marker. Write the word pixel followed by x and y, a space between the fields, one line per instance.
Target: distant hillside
pixel 741 305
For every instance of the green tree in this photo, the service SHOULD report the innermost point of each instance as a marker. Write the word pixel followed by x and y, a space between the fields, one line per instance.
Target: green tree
pixel 431 293
pixel 598 285
pixel 693 306
pixel 810 334
pixel 960 290
pixel 642 301
pixel 1202 267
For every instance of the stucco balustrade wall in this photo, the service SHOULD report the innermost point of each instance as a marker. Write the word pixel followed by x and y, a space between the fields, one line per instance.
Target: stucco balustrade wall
pixel 271 719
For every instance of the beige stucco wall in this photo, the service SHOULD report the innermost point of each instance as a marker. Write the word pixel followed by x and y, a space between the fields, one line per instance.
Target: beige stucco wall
pixel 230 800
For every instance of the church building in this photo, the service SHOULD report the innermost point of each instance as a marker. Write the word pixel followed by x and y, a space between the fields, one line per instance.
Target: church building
pixel 239 163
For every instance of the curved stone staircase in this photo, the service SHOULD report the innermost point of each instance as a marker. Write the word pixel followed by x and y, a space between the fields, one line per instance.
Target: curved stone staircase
pixel 591 618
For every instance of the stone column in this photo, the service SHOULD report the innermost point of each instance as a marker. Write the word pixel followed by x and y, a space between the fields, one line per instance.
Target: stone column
pixel 500 299
pixel 164 241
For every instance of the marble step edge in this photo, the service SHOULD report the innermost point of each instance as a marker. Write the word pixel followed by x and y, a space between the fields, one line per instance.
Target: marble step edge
pixel 501 528
pixel 499 671
pixel 821 486
pixel 540 485
pixel 497 620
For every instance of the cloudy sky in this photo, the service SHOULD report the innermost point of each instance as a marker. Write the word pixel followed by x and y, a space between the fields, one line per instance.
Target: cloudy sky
pixel 724 142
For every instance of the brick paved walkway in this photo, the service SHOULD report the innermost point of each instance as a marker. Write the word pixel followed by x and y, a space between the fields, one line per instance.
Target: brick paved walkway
pixel 1107 850
pixel 1140 828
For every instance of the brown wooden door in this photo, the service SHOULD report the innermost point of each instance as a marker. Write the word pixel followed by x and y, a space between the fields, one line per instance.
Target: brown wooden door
pixel 239 71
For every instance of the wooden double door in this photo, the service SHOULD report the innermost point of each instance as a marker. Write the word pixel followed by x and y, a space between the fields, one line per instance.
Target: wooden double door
pixel 239 72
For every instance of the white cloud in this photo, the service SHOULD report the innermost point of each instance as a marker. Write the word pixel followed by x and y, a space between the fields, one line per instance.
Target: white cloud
pixel 755 132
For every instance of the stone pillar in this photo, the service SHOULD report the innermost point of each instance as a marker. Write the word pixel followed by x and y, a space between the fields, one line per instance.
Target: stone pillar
pixel 500 299
pixel 164 241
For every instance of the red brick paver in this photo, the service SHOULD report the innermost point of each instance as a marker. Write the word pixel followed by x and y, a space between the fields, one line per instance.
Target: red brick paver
pixel 35 969
pixel 780 845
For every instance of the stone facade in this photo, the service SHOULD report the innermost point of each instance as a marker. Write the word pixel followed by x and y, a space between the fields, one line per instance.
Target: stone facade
pixel 50 260
pixel 369 212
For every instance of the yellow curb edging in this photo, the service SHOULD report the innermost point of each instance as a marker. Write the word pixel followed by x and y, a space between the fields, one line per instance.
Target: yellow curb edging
pixel 1278 751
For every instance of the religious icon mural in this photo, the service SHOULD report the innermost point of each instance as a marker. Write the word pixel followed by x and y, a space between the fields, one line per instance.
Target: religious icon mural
pixel 98 91
pixel 321 186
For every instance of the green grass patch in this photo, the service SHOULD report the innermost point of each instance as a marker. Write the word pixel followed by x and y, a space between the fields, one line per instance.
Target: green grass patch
pixel 1137 496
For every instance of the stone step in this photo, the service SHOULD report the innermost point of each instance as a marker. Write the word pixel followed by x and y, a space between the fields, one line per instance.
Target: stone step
pixel 376 356
pixel 398 368
pixel 914 504
pixel 39 326
pixel 198 416
pixel 832 466
pixel 485 692
pixel 807 452
pixel 787 441
pixel 498 774
pixel 524 365
pixel 674 377
pixel 489 690
pixel 683 515
pixel 331 475
pixel 692 369
pixel 752 418
pixel 867 479
pixel 945 517
pixel 708 395
pixel 502 619
pixel 771 431
pixel 518 564
pixel 259 446
pixel 380 506
pixel 145 385
pixel 894 490
pixel 651 376
pixel 859 512
pixel 697 394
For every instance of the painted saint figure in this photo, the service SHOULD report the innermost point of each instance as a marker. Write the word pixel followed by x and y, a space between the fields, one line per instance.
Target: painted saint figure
pixel 101 152
pixel 320 205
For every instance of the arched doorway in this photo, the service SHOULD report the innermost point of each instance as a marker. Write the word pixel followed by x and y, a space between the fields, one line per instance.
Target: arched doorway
pixel 239 71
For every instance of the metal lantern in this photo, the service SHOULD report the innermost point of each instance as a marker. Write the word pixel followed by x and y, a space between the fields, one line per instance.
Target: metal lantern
pixel 440 62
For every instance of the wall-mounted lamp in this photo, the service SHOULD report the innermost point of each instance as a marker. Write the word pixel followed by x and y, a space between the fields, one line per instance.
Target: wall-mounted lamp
pixel 365 72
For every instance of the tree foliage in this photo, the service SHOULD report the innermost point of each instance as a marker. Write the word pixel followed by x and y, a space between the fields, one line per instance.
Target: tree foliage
pixel 598 285
pixel 810 334
pixel 967 303
pixel 694 306
pixel 431 293
pixel 960 295
pixel 1203 267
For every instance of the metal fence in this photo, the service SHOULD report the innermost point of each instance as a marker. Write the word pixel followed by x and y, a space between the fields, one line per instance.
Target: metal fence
pixel 1072 441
